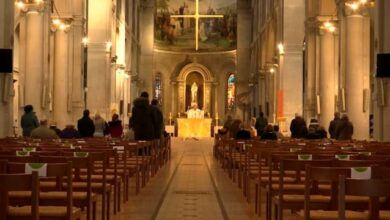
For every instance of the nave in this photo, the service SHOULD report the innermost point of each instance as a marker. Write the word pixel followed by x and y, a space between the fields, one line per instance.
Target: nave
pixel 191 186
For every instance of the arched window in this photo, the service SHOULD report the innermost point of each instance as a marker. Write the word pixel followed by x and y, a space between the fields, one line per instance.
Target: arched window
pixel 157 88
pixel 231 91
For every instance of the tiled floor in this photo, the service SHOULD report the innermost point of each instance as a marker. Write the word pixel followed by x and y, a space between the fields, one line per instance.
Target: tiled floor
pixel 192 186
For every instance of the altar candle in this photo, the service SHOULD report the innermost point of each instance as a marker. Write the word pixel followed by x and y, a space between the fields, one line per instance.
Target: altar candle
pixel 170 115
pixel 216 116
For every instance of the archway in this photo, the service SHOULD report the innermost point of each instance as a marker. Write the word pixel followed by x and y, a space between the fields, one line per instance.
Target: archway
pixel 194 72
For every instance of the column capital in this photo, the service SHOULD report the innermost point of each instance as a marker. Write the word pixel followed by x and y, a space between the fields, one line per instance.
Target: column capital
pixel 355 7
pixel 61 23
pixel 33 6
pixel 327 24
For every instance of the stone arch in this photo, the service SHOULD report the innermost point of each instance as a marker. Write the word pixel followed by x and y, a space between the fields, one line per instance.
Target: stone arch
pixel 181 82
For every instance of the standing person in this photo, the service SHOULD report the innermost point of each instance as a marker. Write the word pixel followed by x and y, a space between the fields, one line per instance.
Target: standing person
pixel 333 125
pixel 142 119
pixel 261 122
pixel 298 127
pixel 101 127
pixel 85 125
pixel 115 126
pixel 159 128
pixel 29 120
pixel 344 129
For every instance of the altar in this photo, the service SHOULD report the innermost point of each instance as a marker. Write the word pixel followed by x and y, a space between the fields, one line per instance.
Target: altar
pixel 199 128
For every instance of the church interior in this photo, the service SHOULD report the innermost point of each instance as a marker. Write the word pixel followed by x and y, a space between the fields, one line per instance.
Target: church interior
pixel 199 109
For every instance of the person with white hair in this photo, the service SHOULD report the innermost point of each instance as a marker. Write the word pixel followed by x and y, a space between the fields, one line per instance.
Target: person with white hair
pixel 43 131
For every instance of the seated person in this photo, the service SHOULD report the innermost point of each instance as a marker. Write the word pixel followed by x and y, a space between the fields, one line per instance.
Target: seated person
pixel 279 135
pixel 268 133
pixel 53 126
pixel 69 132
pixel 43 131
pixel 321 132
pixel 115 126
pixel 245 132
pixel 312 133
pixel 195 112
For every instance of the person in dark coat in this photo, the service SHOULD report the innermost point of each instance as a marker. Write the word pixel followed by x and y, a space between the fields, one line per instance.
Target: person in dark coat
pixel 29 121
pixel 85 125
pixel 312 134
pixel 115 126
pixel 159 128
pixel 314 124
pixel 234 128
pixel 344 129
pixel 228 122
pixel 333 125
pixel 298 127
pixel 142 118
pixel 269 133
pixel 261 123
pixel 322 132
pixel 69 132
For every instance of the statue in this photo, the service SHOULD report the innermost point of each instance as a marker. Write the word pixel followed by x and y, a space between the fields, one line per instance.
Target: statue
pixel 194 93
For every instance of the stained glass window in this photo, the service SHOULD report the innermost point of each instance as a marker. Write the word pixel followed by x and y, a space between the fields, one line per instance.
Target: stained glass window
pixel 231 91
pixel 157 88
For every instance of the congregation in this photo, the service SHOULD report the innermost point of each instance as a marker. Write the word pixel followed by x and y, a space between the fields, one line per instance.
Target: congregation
pixel 147 123
pixel 340 128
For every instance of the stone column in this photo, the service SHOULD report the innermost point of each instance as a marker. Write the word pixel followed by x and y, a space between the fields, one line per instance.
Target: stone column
pixel 290 72
pixel 6 84
pixel 61 71
pixel 357 73
pixel 34 79
pixel 147 37
pixel 326 77
pixel 244 35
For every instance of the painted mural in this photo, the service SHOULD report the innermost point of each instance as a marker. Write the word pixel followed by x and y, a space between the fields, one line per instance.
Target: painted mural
pixel 176 31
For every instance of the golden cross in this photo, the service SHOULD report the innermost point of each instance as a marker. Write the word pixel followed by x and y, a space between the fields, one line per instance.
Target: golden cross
pixel 197 16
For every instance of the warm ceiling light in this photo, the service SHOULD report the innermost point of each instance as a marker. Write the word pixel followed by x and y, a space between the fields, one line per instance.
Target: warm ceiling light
pixel 327 24
pixel 272 70
pixel 354 6
pixel 85 40
pixel 332 28
pixel 19 4
pixel 281 48
pixel 363 1
pixel 56 22
pixel 63 26
pixel 108 46
pixel 38 1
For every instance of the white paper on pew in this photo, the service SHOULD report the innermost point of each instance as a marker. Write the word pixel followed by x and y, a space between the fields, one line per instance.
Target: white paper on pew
pixel 361 173
pixel 22 153
pixel 119 149
pixel 132 143
pixel 29 149
pixel 342 156
pixel 75 147
pixel 80 154
pixel 305 157
pixel 41 168
pixel 81 142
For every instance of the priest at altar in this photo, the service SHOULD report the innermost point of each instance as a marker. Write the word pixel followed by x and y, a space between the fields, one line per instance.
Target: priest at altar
pixel 195 112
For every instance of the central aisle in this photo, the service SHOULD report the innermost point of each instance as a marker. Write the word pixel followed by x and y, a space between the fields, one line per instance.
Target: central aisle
pixel 192 193
pixel 190 186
